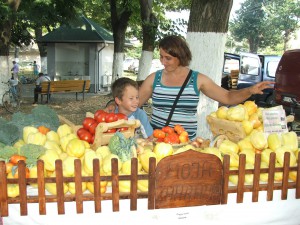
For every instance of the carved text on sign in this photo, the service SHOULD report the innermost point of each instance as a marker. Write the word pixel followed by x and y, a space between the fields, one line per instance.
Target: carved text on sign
pixel 188 179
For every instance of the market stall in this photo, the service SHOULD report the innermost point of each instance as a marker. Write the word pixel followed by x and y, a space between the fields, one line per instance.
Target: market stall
pixel 69 177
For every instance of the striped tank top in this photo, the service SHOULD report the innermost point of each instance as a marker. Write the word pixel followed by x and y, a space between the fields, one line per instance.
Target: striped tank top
pixel 185 112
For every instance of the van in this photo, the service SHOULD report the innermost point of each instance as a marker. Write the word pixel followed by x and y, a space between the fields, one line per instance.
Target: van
pixel 287 80
pixel 254 69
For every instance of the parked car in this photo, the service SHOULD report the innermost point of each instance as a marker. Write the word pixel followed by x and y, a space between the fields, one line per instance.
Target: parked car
pixel 287 80
pixel 256 68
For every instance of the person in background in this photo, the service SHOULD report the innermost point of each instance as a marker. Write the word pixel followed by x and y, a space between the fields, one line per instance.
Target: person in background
pixel 15 71
pixel 35 68
pixel 125 92
pixel 42 78
pixel 164 85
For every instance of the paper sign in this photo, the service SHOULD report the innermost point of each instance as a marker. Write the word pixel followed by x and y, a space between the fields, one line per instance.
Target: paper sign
pixel 274 120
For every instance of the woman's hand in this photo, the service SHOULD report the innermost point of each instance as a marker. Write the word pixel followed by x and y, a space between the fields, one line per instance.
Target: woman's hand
pixel 259 87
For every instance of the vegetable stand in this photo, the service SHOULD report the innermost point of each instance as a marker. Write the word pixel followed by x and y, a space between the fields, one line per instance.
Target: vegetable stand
pixel 190 180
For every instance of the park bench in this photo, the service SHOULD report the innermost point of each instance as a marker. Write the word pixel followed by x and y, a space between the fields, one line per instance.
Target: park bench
pixel 65 86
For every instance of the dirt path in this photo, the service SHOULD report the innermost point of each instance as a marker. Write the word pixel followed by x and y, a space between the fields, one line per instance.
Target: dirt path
pixel 66 105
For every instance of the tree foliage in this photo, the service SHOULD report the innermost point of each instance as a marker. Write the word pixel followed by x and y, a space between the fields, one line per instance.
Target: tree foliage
pixel 265 24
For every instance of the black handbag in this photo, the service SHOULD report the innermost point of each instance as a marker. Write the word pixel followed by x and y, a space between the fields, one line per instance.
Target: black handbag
pixel 178 96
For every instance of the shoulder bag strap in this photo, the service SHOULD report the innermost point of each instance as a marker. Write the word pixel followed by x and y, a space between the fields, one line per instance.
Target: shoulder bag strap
pixel 178 96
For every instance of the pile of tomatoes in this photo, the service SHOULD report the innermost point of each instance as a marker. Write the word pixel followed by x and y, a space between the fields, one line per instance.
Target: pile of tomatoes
pixel 176 135
pixel 89 124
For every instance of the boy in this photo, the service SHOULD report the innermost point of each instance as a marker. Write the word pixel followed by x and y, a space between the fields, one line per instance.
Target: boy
pixel 126 95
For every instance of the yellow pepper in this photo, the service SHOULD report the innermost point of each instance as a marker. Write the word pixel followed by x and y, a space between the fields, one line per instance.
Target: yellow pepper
pixel 65 140
pixel 264 176
pixel 213 151
pixel 251 107
pixel 89 156
pixel 27 130
pixel 280 156
pixel 53 145
pixel 255 120
pixel 126 167
pixel 250 155
pixel 124 185
pixel 233 178
pixel 51 187
pixel 75 148
pixel 162 150
pixel 222 112
pixel 90 186
pixel 290 140
pixel 228 146
pixel 274 141
pixel 265 155
pixel 36 138
pixel 13 190
pixel 68 166
pixel 142 185
pixel 245 144
pixel 64 130
pixel 144 158
pixel 107 163
pixel 258 140
pixel 234 159
pixel 53 136
pixel 248 126
pixel 249 177
pixel 71 187
pixel 103 151
pixel 49 159
pixel 237 113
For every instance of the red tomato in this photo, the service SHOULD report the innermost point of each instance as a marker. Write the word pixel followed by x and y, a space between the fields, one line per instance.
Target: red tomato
pixel 121 116
pixel 86 136
pixel 157 133
pixel 92 128
pixel 111 117
pixel 87 122
pixel 99 116
pixel 112 130
pixel 168 130
pixel 80 131
pixel 122 129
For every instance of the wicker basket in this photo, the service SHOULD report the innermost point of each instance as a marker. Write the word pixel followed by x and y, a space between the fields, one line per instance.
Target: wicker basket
pixel 232 129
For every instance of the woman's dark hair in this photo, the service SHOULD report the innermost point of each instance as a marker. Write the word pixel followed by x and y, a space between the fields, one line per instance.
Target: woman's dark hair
pixel 177 47
pixel 118 87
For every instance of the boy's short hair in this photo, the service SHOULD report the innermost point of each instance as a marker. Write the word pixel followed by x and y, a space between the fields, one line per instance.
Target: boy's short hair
pixel 120 84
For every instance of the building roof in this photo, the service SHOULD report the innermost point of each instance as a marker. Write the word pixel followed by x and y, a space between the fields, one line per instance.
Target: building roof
pixel 83 31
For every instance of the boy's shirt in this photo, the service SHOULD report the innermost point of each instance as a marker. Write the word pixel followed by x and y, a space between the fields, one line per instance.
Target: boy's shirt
pixel 145 129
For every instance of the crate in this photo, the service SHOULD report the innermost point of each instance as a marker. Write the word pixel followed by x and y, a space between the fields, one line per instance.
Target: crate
pixel 101 137
pixel 232 129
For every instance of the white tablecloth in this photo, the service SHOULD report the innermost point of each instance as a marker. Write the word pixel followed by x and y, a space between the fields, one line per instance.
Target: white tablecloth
pixel 276 212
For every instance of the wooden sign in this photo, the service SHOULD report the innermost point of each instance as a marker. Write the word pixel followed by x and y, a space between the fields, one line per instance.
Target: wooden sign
pixel 188 179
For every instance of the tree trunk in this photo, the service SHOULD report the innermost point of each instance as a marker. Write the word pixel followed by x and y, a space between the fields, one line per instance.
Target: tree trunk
pixel 119 22
pixel 149 27
pixel 42 49
pixel 6 24
pixel 207 28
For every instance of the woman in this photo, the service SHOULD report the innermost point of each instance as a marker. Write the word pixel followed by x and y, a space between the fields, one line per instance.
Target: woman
pixel 164 85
